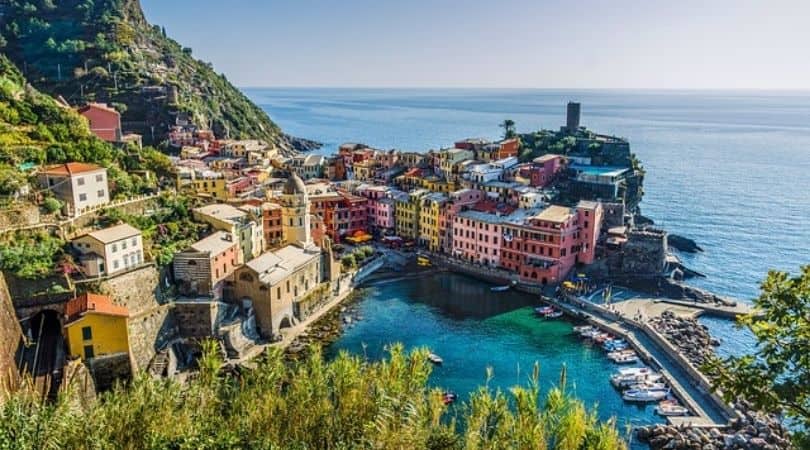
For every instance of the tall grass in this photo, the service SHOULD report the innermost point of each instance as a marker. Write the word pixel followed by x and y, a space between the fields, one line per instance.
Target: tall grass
pixel 346 403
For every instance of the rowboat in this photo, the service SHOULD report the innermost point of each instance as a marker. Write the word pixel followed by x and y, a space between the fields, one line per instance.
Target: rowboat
pixel 671 408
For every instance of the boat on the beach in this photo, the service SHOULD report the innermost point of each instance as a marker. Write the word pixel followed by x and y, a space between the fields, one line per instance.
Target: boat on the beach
pixel 435 359
pixel 645 395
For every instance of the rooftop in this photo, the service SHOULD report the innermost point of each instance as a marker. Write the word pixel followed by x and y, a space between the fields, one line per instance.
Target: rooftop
pixel 101 304
pixel 214 244
pixel 221 211
pixel 114 233
pixel 554 213
pixel 546 157
pixel 272 267
pixel 70 169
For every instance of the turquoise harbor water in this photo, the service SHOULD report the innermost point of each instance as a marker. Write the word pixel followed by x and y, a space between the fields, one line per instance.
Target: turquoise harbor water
pixel 729 169
pixel 472 328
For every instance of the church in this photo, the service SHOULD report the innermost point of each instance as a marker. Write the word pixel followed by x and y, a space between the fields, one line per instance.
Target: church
pixel 277 284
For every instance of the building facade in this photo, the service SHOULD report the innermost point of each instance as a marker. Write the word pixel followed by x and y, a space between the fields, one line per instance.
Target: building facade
pixel 80 186
pixel 109 251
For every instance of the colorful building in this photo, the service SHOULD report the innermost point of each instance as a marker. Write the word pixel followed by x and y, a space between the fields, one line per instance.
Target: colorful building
pixel 271 220
pixel 95 326
pixel 407 208
pixel 105 121
pixel 429 220
pixel 202 269
pixel 244 226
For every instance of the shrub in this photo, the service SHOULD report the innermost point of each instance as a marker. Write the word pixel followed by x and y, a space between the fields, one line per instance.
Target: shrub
pixel 51 205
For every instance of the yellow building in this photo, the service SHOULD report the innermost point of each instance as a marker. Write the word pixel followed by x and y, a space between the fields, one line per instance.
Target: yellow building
pixel 449 158
pixel 436 184
pixel 215 187
pixel 429 220
pixel 407 209
pixel 95 326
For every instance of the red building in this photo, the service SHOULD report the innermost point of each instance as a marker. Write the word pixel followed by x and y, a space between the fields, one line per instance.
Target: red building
pixel 105 122
pixel 508 147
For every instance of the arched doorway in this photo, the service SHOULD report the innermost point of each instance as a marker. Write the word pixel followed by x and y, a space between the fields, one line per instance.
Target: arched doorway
pixel 285 323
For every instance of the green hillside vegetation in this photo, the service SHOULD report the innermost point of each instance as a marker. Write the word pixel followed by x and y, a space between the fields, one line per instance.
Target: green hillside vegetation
pixel 347 403
pixel 104 50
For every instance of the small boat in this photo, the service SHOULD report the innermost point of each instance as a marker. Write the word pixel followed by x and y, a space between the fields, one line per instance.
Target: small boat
pixel 647 386
pixel 543 310
pixel 449 397
pixel 554 315
pixel 579 329
pixel 500 288
pixel 423 261
pixel 624 382
pixel 601 338
pixel 669 409
pixel 645 395
pixel 623 356
pixel 435 359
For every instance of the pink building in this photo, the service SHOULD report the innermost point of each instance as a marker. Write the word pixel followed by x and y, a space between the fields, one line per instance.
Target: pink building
pixel 544 169
pixel 380 207
pixel 458 201
pixel 477 237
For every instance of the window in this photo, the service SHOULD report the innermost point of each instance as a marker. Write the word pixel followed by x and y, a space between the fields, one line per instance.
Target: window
pixel 115 264
pixel 123 245
pixel 80 181
pixel 88 352
pixel 134 242
pixel 101 193
pixel 278 292
pixel 82 197
pixel 114 248
pixel 87 333
pixel 99 178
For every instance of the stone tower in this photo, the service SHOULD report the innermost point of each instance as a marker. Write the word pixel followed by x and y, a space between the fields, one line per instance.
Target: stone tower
pixel 295 212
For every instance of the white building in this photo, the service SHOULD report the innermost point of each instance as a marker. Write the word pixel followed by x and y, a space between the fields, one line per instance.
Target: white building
pixel 111 250
pixel 80 186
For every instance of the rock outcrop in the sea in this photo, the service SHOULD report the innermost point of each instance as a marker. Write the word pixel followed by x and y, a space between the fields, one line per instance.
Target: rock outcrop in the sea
pixel 683 244
pixel 688 335
pixel 298 144
pixel 751 431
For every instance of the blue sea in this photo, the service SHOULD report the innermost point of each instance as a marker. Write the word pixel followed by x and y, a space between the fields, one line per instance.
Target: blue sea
pixel 728 169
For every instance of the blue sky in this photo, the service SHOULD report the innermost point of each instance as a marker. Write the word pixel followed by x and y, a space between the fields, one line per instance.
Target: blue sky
pixel 691 44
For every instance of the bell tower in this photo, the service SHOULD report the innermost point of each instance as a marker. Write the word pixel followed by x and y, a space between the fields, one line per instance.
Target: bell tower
pixel 295 212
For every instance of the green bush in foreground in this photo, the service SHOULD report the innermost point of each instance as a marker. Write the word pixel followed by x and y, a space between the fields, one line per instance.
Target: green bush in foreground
pixel 346 403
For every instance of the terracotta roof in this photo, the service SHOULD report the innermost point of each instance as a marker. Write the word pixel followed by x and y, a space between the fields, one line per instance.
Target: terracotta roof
pixel 101 304
pixel 71 168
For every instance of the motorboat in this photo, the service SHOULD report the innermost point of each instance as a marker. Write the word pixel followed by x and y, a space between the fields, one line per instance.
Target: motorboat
pixel 543 310
pixel 500 288
pixel 624 382
pixel 601 338
pixel 635 371
pixel 614 345
pixel 579 329
pixel 645 395
pixel 435 359
pixel 671 408
pixel 624 358
pixel 647 385
pixel 554 314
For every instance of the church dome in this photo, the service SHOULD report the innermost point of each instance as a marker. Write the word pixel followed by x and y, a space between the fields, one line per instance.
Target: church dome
pixel 294 185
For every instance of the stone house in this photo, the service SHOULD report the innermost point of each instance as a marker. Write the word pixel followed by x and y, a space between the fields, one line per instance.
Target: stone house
pixel 202 269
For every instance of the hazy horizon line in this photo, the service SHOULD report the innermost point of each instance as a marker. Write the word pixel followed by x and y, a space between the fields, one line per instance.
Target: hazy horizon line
pixel 505 88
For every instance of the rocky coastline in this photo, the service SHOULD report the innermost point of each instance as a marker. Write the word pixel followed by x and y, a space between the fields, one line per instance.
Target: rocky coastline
pixel 750 431
pixel 297 144
pixel 328 328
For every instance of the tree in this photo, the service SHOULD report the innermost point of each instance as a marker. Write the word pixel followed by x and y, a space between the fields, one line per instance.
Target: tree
pixel 508 126
pixel 777 377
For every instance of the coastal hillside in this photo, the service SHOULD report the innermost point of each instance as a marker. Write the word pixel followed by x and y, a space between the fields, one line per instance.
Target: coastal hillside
pixel 106 51
pixel 35 129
